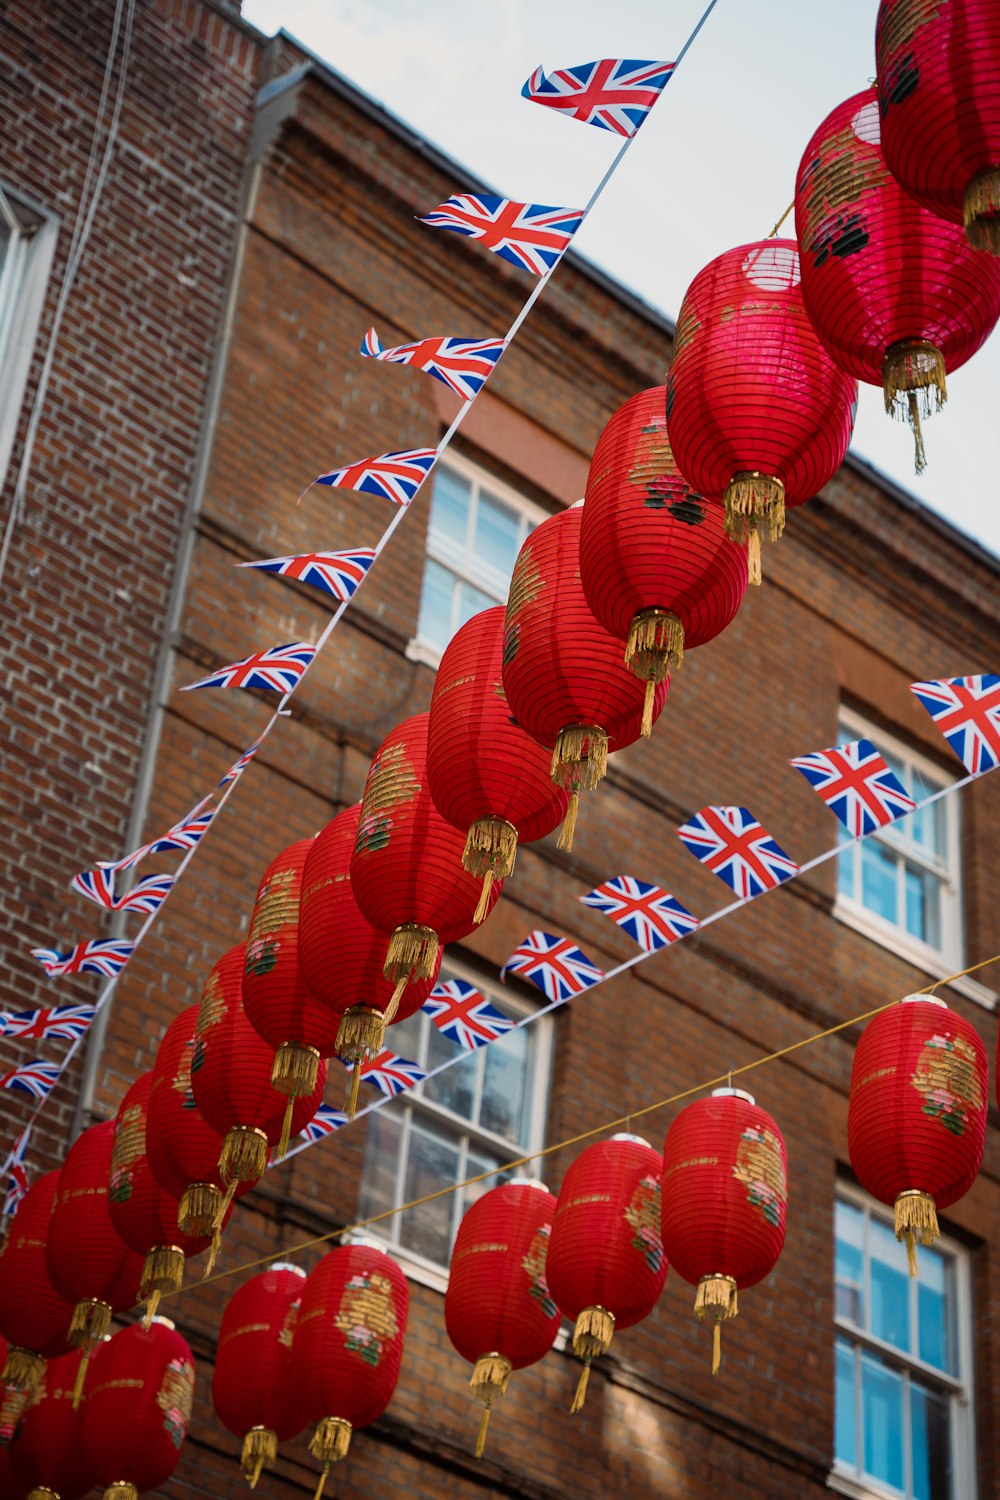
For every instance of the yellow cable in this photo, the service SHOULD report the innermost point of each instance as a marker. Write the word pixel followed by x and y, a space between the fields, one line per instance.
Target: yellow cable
pixel 781 221
pixel 584 1135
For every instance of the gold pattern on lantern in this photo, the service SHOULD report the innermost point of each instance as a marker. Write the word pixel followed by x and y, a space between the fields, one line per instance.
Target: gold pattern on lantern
pixel 288 1326
pixel 902 22
pixel 181 1081
pixel 526 583
pixel 175 1398
pixel 760 1167
pixel 213 1005
pixel 130 1139
pixel 392 780
pixel 367 1314
pixel 276 907
pixel 651 457
pixel 687 326
pixel 947 1077
pixel 844 177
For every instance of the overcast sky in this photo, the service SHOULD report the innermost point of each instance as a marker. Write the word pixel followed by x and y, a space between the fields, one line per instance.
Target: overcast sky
pixel 714 165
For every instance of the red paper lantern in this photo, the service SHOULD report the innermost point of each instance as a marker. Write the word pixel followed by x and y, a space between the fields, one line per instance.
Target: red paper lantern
pixel 12 1403
pixel 182 1148
pixel 498 1310
pixel 348 1344
pixel 725 1196
pixel 916 1125
pixel 46 1454
pixel 11 1487
pixel 406 870
pixel 343 956
pixel 142 1213
pixel 657 567
pixel 277 1001
pixel 897 296
pixel 88 1262
pixel 139 1398
pixel 757 412
pixel 938 67
pixel 33 1316
pixel 252 1387
pixel 605 1265
pixel 563 674
pixel 486 776
pixel 231 1080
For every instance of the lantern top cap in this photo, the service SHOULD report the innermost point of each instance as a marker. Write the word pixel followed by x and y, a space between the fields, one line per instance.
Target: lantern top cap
pixel 363 1242
pixel 733 1094
pixel 623 1135
pixel 286 1265
pixel 524 1182
pixel 163 1322
pixel 924 1000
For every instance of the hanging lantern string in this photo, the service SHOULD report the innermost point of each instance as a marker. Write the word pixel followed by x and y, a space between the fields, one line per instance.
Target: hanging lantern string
pixel 585 1135
pixel 781 221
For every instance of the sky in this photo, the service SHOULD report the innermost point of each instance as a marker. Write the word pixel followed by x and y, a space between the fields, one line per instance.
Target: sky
pixel 713 166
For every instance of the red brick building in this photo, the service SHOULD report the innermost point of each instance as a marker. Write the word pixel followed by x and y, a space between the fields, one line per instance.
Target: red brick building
pixel 839 1373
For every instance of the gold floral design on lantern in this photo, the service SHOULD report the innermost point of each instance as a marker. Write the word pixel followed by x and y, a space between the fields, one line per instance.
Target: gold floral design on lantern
pixel 947 1076
pixel 175 1398
pixel 129 1146
pixel 643 1214
pixel 534 1264
pixel 526 583
pixel 901 24
pixel 288 1326
pixel 367 1315
pixel 213 1005
pixel 759 1165
pixel 391 782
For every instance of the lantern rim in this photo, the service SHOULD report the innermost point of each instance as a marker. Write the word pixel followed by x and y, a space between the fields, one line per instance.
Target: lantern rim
pixel 286 1265
pixel 625 1135
pixel 731 1093
pixel 533 1182
pixel 924 1000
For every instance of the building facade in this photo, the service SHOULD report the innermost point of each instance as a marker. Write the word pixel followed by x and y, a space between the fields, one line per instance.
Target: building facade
pixel 839 1373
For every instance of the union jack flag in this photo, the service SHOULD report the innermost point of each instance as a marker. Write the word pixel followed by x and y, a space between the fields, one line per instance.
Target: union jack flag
pixel 324 1122
pixel 558 968
pixel 337 573
pixel 239 766
pixel 68 1023
pixel 615 93
pixel 462 364
pixel 17 1184
pixel 649 914
pixel 279 669
pixel 35 1078
pixel 529 235
pixel 107 956
pixel 390 1073
pixel 735 847
pixel 184 835
pixel 147 895
pixel 967 712
pixel 461 1014
pixel 856 785
pixel 394 476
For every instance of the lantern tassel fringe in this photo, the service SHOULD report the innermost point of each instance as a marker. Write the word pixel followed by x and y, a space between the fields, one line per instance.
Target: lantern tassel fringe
pixel 81 1376
pixel 411 954
pixel 331 1440
pixel 360 1034
pixel 914 386
pixel 755 507
pixel 592 1337
pixel 568 829
pixel 286 1129
pixel 89 1323
pixel 197 1210
pixel 163 1271
pixel 716 1298
pixel 260 1449
pixel 490 1378
pixel 648 704
pixel 655 649
pixel 213 1253
pixel 580 757
pixel 981 211
pixel 490 848
pixel 121 1491
pixel 22 1369
pixel 243 1158
pixel 916 1223
pixel 295 1069
pixel 351 1101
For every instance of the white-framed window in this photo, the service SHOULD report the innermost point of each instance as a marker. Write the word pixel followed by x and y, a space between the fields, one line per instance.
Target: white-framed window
pixel 903 1355
pixel 902 886
pixel 474 534
pixel 486 1110
pixel 27 244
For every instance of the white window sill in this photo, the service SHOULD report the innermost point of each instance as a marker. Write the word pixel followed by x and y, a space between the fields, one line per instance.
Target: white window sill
pixel 917 954
pixel 858 1489
pixel 423 651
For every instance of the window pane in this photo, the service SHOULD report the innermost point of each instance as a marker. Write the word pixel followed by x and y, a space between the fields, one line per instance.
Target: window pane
pixel 435 604
pixel 935 1300
pixel 378 1178
pixel 846 1436
pixel 471 602
pixel 931 1444
pixel 926 827
pixel 407 1038
pixel 505 1086
pixel 432 1163
pixel 850 1231
pixel 890 1287
pixel 456 1088
pixel 497 531
pixel 923 906
pixel 845 863
pixel 450 507
pixel 5 240
pixel 478 1162
pixel 882 1421
pixel 879 880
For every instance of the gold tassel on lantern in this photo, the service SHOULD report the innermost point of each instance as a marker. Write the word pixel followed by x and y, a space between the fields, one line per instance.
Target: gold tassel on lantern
pixel 294 1072
pixel 360 1035
pixel 412 954
pixel 981 211
pixel 88 1325
pixel 243 1158
pixel 162 1271
pixel 260 1449
pixel 121 1491
pixel 913 384
pixel 198 1208
pixel 568 829
pixel 591 1338
pixel 916 1223
pixel 329 1443
pixel 490 1379
pixel 716 1298
pixel 755 506
pixel 655 648
pixel 22 1369
pixel 580 757
pixel 490 848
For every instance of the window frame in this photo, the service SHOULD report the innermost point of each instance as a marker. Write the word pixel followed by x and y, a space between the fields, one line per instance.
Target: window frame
pixel 23 284
pixel 958 1388
pixel 852 911
pixel 420 1267
pixel 419 647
